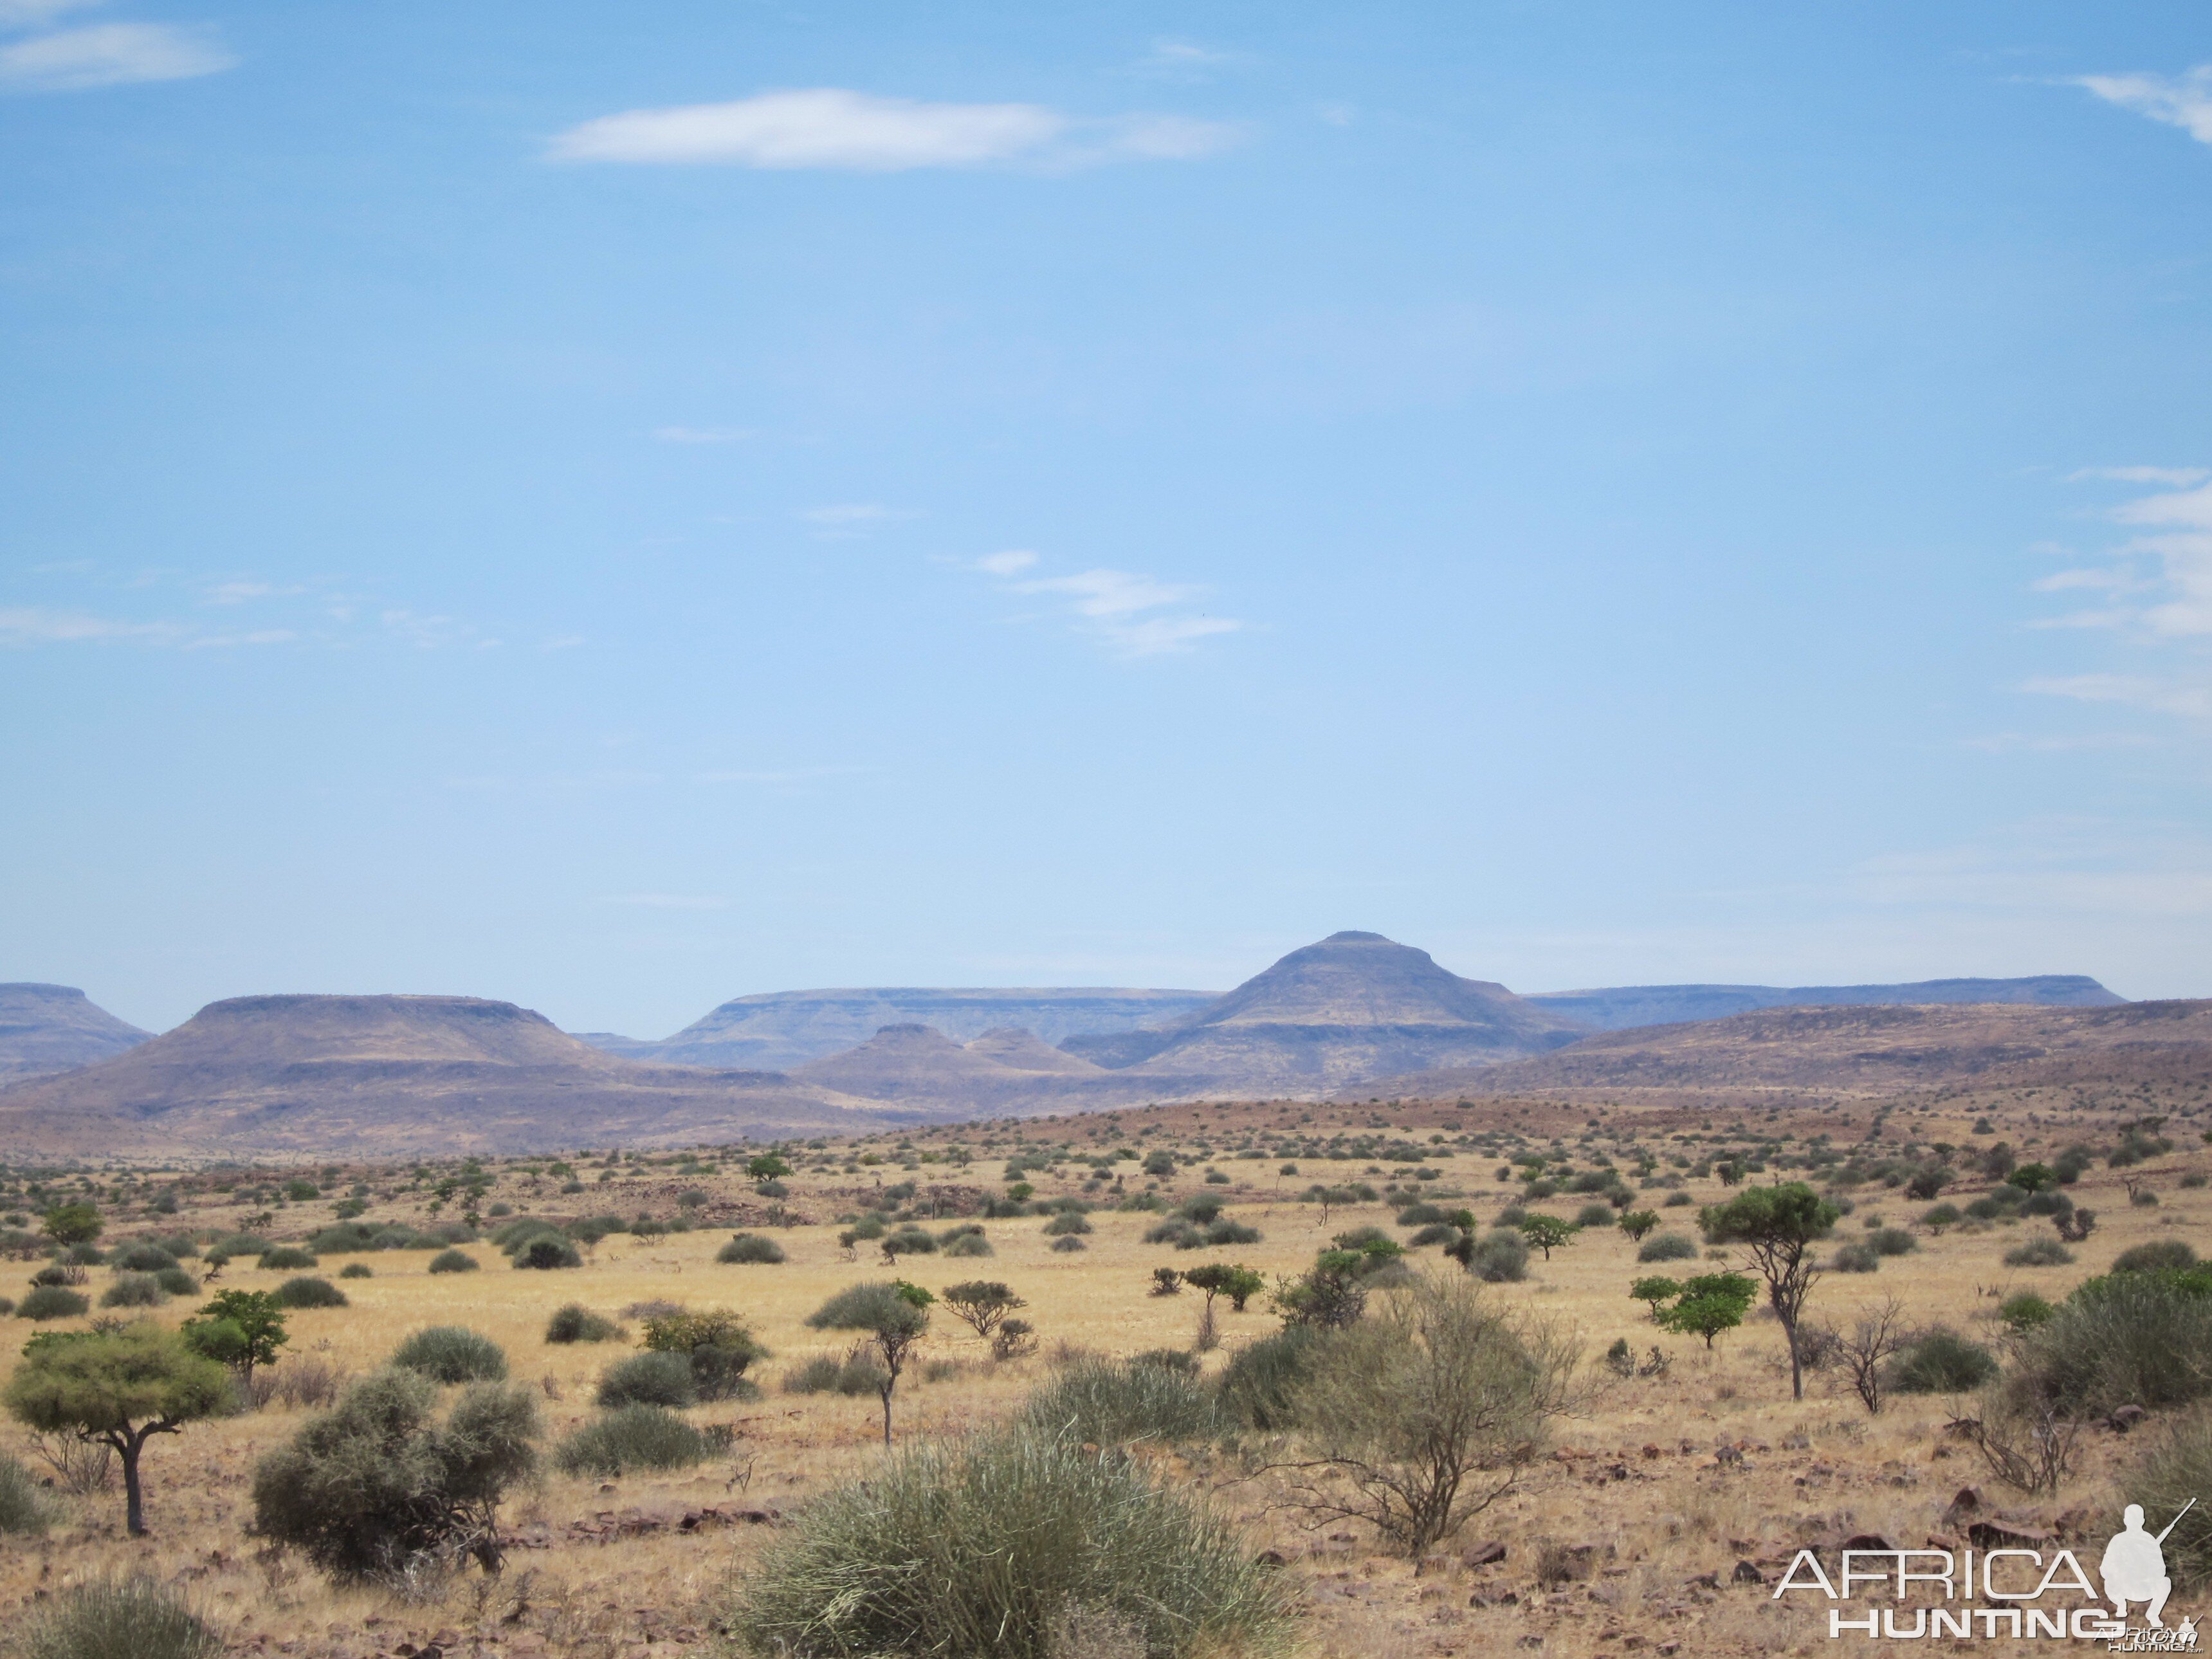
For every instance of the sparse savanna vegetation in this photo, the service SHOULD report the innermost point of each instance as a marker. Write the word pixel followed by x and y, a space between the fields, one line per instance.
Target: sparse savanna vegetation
pixel 1163 1382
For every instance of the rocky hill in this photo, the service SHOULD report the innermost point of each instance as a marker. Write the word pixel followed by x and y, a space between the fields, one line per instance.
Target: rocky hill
pixel 1865 1050
pixel 1005 1072
pixel 44 1029
pixel 1622 1008
pixel 1355 1005
pixel 394 1076
pixel 780 1030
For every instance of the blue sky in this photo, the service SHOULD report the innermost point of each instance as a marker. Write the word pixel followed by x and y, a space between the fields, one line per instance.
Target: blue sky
pixel 620 506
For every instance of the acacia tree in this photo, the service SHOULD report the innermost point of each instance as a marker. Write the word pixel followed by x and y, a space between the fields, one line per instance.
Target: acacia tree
pixel 75 1223
pixel 239 1328
pixel 1654 1289
pixel 1707 1305
pixel 1637 1223
pixel 1548 1233
pixel 982 1305
pixel 1239 1283
pixel 1777 1226
pixel 117 1389
pixel 892 1316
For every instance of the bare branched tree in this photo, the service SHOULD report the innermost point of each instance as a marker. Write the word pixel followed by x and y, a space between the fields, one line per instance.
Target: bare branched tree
pixel 1427 1411
pixel 1864 1351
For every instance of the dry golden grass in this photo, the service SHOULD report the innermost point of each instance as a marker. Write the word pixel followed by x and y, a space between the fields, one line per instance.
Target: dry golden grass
pixel 1655 1521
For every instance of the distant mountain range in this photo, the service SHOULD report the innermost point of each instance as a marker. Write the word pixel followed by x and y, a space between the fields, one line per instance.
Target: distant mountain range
pixel 401 1075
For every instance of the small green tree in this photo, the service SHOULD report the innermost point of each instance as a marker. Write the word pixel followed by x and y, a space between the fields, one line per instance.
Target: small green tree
pixel 2033 1178
pixel 1548 1233
pixel 719 1347
pixel 75 1223
pixel 239 1328
pixel 1239 1283
pixel 1709 1303
pixel 768 1166
pixel 1637 1223
pixel 1777 1226
pixel 893 1316
pixel 117 1389
pixel 1654 1289
pixel 982 1305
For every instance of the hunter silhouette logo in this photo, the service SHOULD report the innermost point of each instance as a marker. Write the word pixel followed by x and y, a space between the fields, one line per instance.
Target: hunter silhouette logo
pixel 1996 1594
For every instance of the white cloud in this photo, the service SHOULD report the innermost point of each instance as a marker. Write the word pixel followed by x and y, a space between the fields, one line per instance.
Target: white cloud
pixel 108 55
pixel 35 625
pixel 830 127
pixel 1134 615
pixel 32 13
pixel 852 513
pixel 2162 695
pixel 2178 476
pixel 703 434
pixel 2180 101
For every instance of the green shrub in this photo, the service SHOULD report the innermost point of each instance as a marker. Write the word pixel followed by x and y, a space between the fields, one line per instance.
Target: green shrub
pixel 1667 1246
pixel 1500 1258
pixel 1942 1216
pixel 2038 1253
pixel 177 1282
pixel 547 1254
pixel 1067 1222
pixel 452 1262
pixel 717 1346
pixel 286 1258
pixel 855 1375
pixel 1262 1379
pixel 2127 1338
pixel 1942 1361
pixel 378 1483
pixel 1018 1544
pixel 2025 1311
pixel 648 1379
pixel 51 1302
pixel 1594 1215
pixel 1854 1258
pixel 1063 1246
pixel 308 1291
pixel 1892 1241
pixel 2161 1254
pixel 142 1257
pixel 1422 1215
pixel 750 1248
pixel 25 1510
pixel 632 1436
pixel 133 1618
pixel 452 1353
pixel 1111 1402
pixel 577 1323
pixel 357 1270
pixel 2176 1466
pixel 231 1246
pixel 970 1245
pixel 134 1291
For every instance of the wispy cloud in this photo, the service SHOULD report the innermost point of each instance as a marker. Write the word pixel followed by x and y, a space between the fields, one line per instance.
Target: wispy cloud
pixel 2159 582
pixel 36 625
pixel 853 517
pixel 2180 100
pixel 1173 59
pixel 833 128
pixel 2179 476
pixel 109 55
pixel 2167 694
pixel 703 434
pixel 1133 615
pixel 32 14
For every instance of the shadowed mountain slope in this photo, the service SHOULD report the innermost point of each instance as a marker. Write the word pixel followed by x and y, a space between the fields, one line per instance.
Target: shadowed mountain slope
pixel 919 1067
pixel 45 1028
pixel 1621 1007
pixel 1866 1050
pixel 1353 1006
pixel 395 1076
pixel 784 1029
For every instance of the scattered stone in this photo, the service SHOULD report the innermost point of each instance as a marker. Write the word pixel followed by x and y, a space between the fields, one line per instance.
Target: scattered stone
pixel 1483 1554
pixel 1999 1534
pixel 1272 1559
pixel 2125 1418
pixel 1867 1540
pixel 1747 1573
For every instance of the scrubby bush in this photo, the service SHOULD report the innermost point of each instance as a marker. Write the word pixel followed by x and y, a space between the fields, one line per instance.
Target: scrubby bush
pixel 1941 1217
pixel 1855 1258
pixel 308 1291
pixel 378 1482
pixel 750 1248
pixel 577 1323
pixel 1067 1222
pixel 970 1245
pixel 452 1353
pixel 855 1375
pixel 1259 1384
pixel 25 1510
pixel 1063 1246
pixel 1594 1215
pixel 1018 1544
pixel 2025 1312
pixel 1422 1215
pixel 452 1262
pixel 51 1302
pixel 648 1379
pixel 143 1256
pixel 357 1270
pixel 133 1618
pixel 2127 1338
pixel 177 1282
pixel 1942 1361
pixel 2038 1253
pixel 231 1246
pixel 1499 1259
pixel 1667 1246
pixel 632 1436
pixel 1892 1241
pixel 2176 1466
pixel 907 1240
pixel 546 1255
pixel 286 1258
pixel 134 1291
pixel 1111 1402
pixel 718 1348
pixel 2167 1255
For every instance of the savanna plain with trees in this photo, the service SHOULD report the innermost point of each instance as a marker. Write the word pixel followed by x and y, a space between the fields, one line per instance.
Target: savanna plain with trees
pixel 1386 1378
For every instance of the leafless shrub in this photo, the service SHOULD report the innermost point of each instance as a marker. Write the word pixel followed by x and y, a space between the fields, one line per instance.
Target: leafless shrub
pixel 1863 1353
pixel 81 1467
pixel 2023 1438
